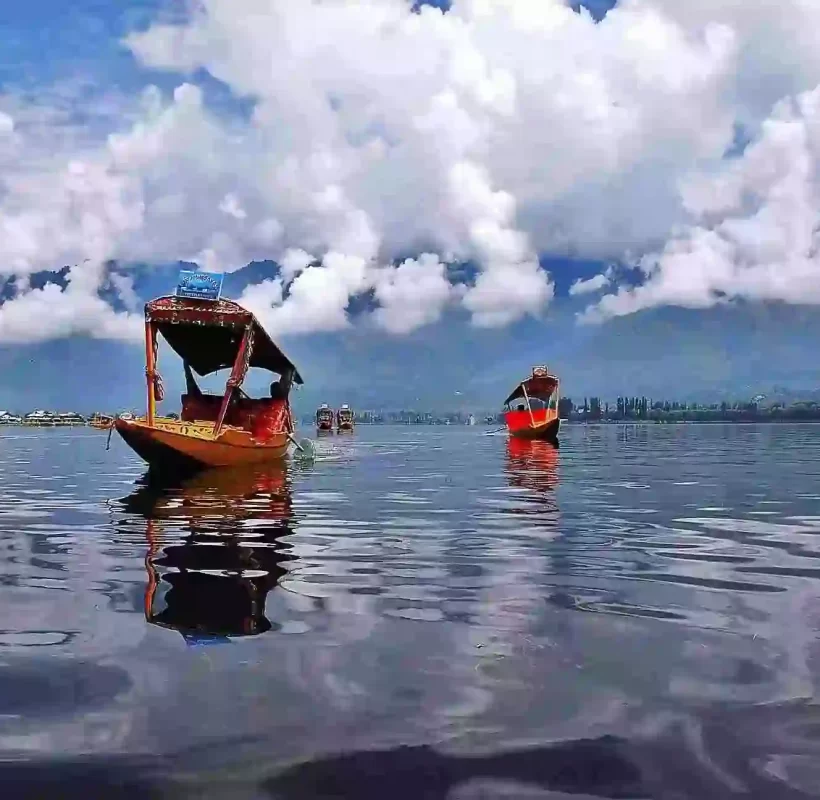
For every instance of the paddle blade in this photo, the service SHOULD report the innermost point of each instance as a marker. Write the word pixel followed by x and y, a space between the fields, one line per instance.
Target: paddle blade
pixel 306 449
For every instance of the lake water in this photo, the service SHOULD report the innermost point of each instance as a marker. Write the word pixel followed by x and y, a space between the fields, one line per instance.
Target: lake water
pixel 424 613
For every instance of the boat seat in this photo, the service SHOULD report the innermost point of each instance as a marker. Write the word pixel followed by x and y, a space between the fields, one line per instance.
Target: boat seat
pixel 205 408
pixel 262 417
pixel 270 417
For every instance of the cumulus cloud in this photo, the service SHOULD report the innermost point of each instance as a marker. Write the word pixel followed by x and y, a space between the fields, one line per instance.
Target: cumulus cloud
pixel 493 133
pixel 413 294
pixel 756 229
pixel 38 315
pixel 592 285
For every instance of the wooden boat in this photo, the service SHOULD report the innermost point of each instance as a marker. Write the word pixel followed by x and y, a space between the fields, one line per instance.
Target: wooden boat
pixel 213 431
pixel 324 418
pixel 344 419
pixel 101 421
pixel 535 413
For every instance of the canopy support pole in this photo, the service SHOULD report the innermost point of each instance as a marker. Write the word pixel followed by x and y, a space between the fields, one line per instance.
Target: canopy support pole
pixel 150 371
pixel 240 368
pixel 529 407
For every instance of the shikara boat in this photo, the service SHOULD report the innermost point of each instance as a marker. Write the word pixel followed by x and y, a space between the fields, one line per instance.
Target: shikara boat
pixel 531 410
pixel 101 421
pixel 324 418
pixel 344 419
pixel 213 431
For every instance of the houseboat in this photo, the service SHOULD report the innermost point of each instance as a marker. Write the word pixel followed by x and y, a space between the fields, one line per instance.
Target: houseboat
pixel 39 418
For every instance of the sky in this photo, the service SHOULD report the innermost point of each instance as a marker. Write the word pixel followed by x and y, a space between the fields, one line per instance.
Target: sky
pixel 432 196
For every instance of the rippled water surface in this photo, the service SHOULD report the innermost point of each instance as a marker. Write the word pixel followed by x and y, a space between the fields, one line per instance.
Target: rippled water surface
pixel 422 613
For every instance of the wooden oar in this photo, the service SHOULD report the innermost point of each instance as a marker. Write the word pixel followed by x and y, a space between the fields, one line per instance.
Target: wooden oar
pixel 492 433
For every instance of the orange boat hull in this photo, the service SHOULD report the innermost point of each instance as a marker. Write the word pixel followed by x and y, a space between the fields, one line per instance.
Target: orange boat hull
pixel 175 444
pixel 542 424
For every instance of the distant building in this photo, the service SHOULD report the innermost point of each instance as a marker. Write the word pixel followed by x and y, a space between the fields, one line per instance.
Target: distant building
pixel 565 408
pixel 39 417
pixel 69 418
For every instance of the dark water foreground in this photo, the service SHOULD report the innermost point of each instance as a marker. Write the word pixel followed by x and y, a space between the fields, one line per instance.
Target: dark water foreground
pixel 426 613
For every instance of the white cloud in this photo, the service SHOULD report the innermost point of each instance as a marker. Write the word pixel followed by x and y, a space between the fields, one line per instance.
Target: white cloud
pixel 230 206
pixel 262 298
pixel 413 294
pixel 496 132
pixel 294 261
pixel 756 229
pixel 591 285
pixel 124 286
pixel 317 298
pixel 49 313
pixel 6 124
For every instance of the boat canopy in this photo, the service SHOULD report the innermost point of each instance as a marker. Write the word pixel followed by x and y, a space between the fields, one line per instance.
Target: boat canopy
pixel 208 335
pixel 539 386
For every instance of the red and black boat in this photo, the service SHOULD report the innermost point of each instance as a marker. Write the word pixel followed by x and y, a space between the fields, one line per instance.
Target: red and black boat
pixel 324 418
pixel 531 410
pixel 344 419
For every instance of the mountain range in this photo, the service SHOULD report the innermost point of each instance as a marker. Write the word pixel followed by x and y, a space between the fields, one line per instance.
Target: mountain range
pixel 731 352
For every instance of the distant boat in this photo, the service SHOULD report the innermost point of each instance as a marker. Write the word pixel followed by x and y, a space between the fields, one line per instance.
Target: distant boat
pixel 101 421
pixel 535 413
pixel 211 334
pixel 344 418
pixel 324 418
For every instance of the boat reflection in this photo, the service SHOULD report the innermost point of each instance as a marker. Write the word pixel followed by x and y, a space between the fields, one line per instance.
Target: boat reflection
pixel 214 550
pixel 532 464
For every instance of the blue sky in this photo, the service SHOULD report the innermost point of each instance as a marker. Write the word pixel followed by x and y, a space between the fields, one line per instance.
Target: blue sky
pixel 50 46
pixel 44 39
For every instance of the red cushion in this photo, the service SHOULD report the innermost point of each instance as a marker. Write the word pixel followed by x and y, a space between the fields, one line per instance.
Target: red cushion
pixel 271 418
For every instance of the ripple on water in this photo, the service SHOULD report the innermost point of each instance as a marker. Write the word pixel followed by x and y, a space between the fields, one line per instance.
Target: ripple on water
pixel 368 595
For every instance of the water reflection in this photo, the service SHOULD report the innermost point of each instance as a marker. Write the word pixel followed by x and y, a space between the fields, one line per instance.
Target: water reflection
pixel 213 583
pixel 532 464
pixel 456 615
